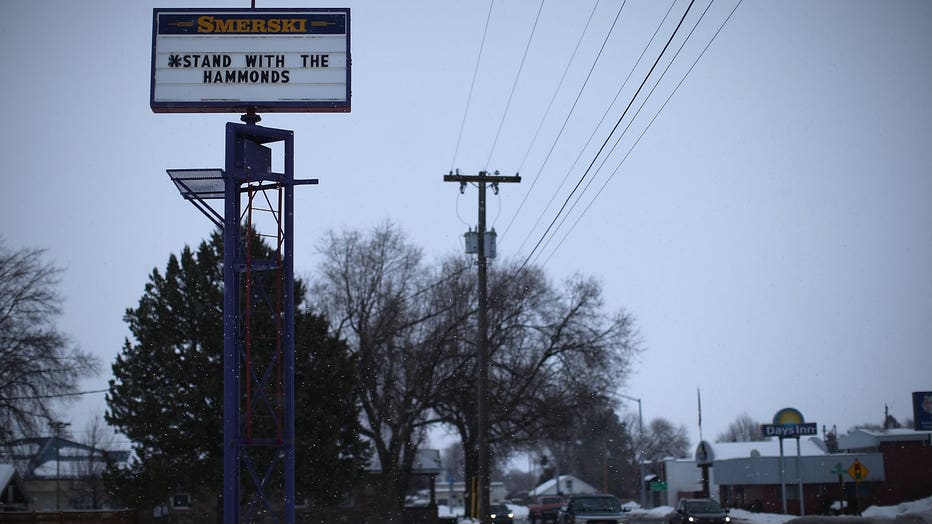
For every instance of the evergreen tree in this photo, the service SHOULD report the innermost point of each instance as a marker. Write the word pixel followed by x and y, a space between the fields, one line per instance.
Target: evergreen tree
pixel 167 390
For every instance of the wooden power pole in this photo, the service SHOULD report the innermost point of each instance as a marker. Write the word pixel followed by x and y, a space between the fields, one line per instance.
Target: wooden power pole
pixel 482 346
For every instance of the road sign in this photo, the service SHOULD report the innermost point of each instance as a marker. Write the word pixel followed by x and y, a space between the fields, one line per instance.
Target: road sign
pixel 858 471
pixel 658 486
pixel 837 470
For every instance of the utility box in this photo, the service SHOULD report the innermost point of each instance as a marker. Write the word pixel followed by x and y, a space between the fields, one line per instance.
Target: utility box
pixel 472 243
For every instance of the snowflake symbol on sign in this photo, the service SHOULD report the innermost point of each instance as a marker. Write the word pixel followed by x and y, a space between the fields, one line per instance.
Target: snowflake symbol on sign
pixel 174 61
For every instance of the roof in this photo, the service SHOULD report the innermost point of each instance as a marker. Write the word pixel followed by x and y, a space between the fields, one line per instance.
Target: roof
pixel 53 457
pixel 866 439
pixel 811 446
pixel 571 483
pixel 426 462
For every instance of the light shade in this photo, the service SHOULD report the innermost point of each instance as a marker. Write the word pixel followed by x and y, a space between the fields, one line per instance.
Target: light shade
pixel 198 184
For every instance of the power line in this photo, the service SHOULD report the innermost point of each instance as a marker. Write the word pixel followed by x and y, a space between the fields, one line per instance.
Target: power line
pixel 599 152
pixel 624 132
pixel 514 85
pixel 572 109
pixel 543 119
pixel 60 395
pixel 595 129
pixel 636 142
pixel 472 86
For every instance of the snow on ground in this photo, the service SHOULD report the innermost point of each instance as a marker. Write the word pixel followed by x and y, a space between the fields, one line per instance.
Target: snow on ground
pixel 918 511
pixel 759 518
pixel 521 512
pixel 920 508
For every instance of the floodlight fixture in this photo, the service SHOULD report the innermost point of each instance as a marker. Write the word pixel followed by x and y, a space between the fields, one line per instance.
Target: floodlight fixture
pixel 198 185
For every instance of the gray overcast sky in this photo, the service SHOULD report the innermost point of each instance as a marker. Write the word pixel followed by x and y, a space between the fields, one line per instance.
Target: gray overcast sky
pixel 771 232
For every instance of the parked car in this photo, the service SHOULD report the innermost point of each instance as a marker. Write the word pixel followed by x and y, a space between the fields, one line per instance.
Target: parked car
pixel 544 508
pixel 699 511
pixel 501 514
pixel 592 509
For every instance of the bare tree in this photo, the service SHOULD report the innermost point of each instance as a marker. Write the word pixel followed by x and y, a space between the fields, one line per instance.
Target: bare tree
pixel 554 352
pixel 380 296
pixel 663 439
pixel 88 483
pixel 453 461
pixel 743 429
pixel 412 327
pixel 37 362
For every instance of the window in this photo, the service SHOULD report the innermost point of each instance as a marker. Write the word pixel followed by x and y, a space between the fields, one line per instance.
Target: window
pixel 181 501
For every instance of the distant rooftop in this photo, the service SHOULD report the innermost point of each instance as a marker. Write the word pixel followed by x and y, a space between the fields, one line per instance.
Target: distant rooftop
pixel 811 446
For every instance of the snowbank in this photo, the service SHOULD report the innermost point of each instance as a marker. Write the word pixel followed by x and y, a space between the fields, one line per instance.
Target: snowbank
pixel 920 508
pixel 918 511
pixel 759 518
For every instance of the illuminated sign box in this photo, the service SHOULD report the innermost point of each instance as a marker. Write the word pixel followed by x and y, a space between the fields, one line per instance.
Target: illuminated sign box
pixel 234 60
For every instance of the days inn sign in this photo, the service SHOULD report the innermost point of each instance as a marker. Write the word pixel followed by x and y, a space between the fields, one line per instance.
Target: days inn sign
pixel 789 423
pixel 240 60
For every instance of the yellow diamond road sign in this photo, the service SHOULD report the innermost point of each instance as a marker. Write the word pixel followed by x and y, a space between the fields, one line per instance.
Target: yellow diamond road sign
pixel 858 471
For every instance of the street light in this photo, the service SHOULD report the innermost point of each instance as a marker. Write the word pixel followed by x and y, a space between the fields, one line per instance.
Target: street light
pixel 639 450
pixel 197 185
pixel 58 426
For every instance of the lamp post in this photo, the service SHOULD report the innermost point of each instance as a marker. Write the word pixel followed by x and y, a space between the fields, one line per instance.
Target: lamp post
pixel 639 450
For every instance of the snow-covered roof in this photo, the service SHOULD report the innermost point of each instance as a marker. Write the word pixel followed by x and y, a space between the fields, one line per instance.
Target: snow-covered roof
pixel 811 446
pixel 897 434
pixel 865 439
pixel 51 457
pixel 569 484
pixel 426 462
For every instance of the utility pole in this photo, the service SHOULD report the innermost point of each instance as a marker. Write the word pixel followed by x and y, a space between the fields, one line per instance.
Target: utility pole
pixel 482 346
pixel 639 453
pixel 58 426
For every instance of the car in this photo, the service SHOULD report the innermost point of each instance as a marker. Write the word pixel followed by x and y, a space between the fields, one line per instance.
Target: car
pixel 501 514
pixel 544 508
pixel 699 511
pixel 592 509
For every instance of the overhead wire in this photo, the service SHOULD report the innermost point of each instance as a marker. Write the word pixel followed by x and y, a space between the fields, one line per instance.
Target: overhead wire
pixel 595 129
pixel 511 95
pixel 624 132
pixel 609 136
pixel 472 86
pixel 543 119
pixel 644 131
pixel 61 395
pixel 575 102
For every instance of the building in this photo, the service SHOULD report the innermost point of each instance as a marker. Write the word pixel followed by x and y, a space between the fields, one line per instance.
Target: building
pixel 563 485
pixel 12 496
pixel 57 474
pixel 453 494
pixel 869 468
pixel 907 461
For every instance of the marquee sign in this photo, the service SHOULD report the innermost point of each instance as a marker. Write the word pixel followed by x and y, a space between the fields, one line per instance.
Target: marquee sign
pixel 231 60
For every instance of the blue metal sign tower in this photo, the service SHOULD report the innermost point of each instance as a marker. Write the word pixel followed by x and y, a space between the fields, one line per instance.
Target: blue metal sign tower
pixel 258 318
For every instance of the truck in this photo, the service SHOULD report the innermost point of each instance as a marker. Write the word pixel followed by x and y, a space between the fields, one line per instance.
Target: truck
pixel 544 508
